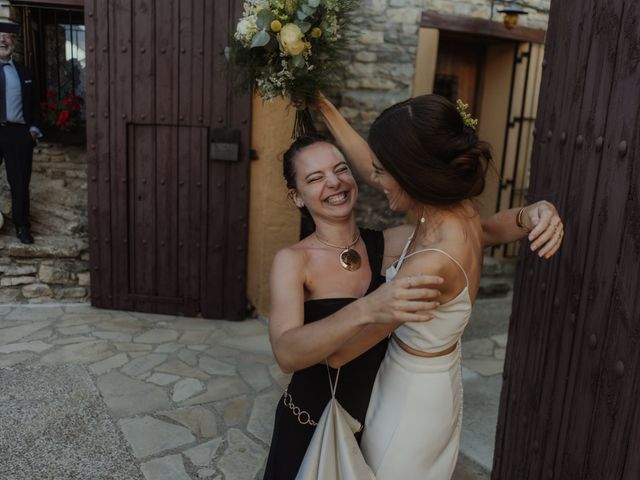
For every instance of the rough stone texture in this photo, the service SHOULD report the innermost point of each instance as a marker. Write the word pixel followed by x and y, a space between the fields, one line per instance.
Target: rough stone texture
pixel 243 457
pixel 261 421
pixel 186 388
pixel 55 425
pixel 126 396
pixel 166 468
pixel 149 436
pixel 203 454
pixel 199 420
pixel 59 225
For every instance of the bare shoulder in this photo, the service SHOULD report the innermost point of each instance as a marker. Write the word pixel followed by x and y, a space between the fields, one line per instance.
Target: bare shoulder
pixel 295 255
pixel 425 261
pixel 431 261
pixel 395 239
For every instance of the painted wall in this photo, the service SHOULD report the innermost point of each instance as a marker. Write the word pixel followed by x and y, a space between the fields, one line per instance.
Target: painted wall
pixel 273 220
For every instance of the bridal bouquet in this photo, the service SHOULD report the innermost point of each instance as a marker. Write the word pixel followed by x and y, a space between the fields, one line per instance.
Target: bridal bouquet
pixel 290 48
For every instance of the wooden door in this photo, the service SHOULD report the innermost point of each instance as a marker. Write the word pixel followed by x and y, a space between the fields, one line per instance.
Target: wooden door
pixel 458 69
pixel 168 158
pixel 569 408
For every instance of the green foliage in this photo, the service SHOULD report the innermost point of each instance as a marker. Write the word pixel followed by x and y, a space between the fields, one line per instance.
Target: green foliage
pixel 261 58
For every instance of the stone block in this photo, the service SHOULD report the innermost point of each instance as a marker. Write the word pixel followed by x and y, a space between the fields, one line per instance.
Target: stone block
pixel 9 295
pixel 42 300
pixel 349 113
pixel 13 281
pixel 405 15
pixel 377 83
pixel 37 290
pixel 84 279
pixel 368 117
pixel 371 38
pixel 374 6
pixel 54 274
pixel 71 292
pixel 366 56
pixel 362 70
pixel 18 269
pixel 54 247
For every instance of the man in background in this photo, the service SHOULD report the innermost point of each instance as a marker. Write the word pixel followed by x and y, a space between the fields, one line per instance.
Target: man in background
pixel 18 129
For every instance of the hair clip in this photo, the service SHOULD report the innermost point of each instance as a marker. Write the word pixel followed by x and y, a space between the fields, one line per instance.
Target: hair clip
pixel 468 120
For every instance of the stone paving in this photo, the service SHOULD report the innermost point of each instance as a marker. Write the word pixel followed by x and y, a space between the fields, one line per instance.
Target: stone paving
pixel 189 398
pixel 192 398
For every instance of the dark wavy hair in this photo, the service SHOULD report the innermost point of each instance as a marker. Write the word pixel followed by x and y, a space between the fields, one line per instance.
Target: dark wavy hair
pixel 425 145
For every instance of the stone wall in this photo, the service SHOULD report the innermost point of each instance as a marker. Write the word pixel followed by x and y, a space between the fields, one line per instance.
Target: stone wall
pixel 56 267
pixel 381 66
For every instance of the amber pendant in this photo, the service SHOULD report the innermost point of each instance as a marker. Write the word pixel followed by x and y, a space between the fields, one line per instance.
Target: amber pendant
pixel 350 259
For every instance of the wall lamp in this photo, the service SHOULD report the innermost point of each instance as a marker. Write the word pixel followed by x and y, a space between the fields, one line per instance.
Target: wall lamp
pixel 511 12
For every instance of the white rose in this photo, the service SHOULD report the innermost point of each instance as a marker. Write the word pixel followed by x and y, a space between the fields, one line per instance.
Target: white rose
pixel 291 39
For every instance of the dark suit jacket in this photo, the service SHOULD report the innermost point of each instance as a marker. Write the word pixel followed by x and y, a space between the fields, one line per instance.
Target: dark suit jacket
pixel 30 103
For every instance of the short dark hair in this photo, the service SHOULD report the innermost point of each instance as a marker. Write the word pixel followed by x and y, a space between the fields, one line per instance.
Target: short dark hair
pixel 425 145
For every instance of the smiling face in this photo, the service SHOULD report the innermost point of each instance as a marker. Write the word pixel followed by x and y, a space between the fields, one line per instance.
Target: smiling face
pixel 399 200
pixel 7 46
pixel 324 183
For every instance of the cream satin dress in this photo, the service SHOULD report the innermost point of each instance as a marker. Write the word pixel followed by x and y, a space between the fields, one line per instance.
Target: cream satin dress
pixel 412 428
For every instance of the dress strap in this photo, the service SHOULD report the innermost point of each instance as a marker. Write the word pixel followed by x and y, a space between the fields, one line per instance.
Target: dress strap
pixel 398 263
pixel 443 253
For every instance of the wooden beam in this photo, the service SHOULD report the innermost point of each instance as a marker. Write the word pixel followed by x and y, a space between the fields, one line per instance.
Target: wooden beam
pixel 480 27
pixel 49 3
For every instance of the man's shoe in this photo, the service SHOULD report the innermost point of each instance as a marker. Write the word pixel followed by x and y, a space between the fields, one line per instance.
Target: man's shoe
pixel 24 235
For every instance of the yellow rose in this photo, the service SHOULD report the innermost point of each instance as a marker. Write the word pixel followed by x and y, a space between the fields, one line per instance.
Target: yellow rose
pixel 291 39
pixel 316 32
pixel 276 26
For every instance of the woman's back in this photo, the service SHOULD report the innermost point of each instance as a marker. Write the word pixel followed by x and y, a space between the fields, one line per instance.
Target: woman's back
pixel 457 247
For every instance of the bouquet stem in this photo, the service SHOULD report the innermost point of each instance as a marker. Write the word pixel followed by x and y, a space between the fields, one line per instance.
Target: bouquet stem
pixel 303 123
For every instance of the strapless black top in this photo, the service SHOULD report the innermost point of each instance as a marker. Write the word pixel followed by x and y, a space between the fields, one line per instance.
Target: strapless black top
pixel 309 388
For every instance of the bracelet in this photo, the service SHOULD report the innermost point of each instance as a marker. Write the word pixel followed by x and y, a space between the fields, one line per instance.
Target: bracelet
pixel 519 219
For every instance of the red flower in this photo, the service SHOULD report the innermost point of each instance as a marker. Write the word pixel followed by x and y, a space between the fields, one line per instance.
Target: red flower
pixel 64 116
pixel 61 113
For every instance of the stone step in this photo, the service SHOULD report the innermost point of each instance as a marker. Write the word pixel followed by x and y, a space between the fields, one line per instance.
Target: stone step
pixel 44 247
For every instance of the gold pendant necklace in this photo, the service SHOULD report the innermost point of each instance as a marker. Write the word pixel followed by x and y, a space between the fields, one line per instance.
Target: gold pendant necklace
pixel 349 258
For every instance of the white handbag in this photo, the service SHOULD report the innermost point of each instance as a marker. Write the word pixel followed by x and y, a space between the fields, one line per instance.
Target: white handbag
pixel 333 453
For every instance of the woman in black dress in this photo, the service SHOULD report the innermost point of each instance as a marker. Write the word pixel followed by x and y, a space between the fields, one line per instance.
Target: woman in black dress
pixel 325 290
pixel 319 302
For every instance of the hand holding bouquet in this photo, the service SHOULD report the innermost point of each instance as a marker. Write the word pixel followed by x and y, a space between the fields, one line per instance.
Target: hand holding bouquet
pixel 290 48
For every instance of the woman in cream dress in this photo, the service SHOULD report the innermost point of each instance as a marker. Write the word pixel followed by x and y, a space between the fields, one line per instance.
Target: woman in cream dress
pixel 429 163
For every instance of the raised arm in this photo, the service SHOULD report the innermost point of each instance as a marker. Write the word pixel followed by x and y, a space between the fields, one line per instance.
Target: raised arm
pixel 297 346
pixel 350 142
pixel 540 222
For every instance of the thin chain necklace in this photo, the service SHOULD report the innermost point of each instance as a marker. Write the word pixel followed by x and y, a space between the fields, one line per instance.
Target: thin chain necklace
pixel 349 258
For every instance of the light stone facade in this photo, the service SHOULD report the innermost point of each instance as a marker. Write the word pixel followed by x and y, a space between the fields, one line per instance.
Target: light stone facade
pixel 382 57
